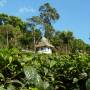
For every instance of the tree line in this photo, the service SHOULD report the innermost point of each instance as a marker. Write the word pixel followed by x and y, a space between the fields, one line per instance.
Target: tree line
pixel 15 32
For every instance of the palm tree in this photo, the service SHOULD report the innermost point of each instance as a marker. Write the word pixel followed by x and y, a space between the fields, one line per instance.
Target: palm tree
pixel 66 37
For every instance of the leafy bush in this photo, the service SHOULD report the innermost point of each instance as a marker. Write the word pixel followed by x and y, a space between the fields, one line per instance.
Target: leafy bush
pixel 27 71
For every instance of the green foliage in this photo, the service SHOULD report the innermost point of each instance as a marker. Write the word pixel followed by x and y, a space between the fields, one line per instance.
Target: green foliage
pixel 14 33
pixel 69 69
pixel 25 71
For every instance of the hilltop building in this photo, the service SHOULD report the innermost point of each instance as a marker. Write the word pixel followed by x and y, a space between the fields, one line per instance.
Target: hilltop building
pixel 44 46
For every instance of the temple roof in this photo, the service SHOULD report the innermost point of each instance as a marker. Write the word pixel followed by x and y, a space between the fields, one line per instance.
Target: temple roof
pixel 44 42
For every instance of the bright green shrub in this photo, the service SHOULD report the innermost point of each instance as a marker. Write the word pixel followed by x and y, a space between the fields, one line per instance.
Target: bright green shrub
pixel 27 71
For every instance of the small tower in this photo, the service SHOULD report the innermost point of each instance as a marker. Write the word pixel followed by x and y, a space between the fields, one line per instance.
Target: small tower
pixel 44 46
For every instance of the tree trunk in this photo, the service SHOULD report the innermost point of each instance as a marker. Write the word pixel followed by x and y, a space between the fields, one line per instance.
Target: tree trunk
pixel 7 38
pixel 34 41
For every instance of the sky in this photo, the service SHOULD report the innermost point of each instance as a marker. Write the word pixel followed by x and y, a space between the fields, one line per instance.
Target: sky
pixel 74 14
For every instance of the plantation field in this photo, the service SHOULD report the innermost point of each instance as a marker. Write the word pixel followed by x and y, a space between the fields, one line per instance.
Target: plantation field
pixel 27 71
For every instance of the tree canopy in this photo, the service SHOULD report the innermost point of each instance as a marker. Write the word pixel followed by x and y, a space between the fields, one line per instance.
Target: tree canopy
pixel 25 34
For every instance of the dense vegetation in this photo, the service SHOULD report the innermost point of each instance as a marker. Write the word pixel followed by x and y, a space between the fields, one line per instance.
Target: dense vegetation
pixel 16 33
pixel 68 68
pixel 25 71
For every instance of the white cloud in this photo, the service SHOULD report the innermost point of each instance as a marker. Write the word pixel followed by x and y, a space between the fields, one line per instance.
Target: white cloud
pixel 27 10
pixel 2 3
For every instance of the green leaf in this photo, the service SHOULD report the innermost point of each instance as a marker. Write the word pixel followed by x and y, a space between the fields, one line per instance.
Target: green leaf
pixel 34 88
pixel 1 75
pixel 10 59
pixel 52 63
pixel 2 87
pixel 16 81
pixel 11 87
pixel 45 71
pixel 33 77
pixel 46 85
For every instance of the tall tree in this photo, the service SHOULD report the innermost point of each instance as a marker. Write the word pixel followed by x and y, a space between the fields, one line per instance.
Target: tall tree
pixel 63 41
pixel 48 14
pixel 32 26
pixel 7 22
pixel 7 33
pixel 5 18
pixel 12 20
pixel 66 37
pixel 78 45
pixel 16 22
